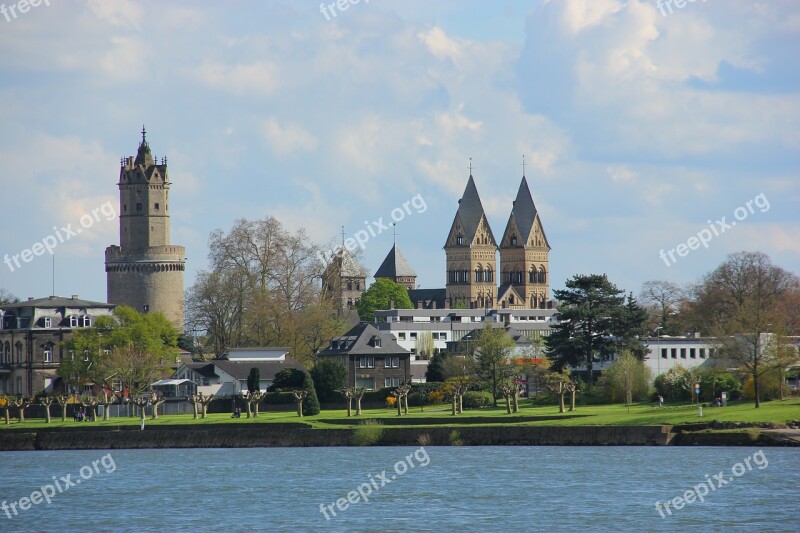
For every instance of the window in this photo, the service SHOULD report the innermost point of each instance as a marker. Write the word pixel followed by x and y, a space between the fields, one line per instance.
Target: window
pixel 367 383
pixel 48 354
pixel 391 382
pixel 48 322
pixel 87 321
pixel 401 336
pixel 683 353
pixel 413 334
pixel 156 206
pixel 366 362
pixel 702 353
pixel 376 342
pixel 663 353
pixel 138 206
pixel 19 352
pixel 86 355
pixel 72 355
pixel 459 239
pixel 692 353
pixel 513 240
pixel 391 361
pixel 73 321
pixel 674 353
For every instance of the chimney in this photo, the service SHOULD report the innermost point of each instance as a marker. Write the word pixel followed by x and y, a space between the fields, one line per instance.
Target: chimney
pixel 30 298
pixel 433 304
pixel 447 303
pixel 419 304
pixel 391 304
pixel 74 297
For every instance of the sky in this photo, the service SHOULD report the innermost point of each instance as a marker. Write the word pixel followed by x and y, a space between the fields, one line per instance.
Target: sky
pixel 642 125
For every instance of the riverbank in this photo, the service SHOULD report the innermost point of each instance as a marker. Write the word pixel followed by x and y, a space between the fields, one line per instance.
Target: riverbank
pixel 774 424
pixel 303 435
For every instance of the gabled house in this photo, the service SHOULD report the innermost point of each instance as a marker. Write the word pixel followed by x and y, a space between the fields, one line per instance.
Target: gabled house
pixel 373 358
pixel 228 375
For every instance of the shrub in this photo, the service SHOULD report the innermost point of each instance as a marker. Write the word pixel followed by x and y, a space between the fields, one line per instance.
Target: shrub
pixel 769 387
pixel 711 384
pixel 477 399
pixel 310 403
pixel 391 401
pixel 368 433
pixel 278 398
pixel 455 438
pixel 436 397
pixel 424 439
pixel 287 379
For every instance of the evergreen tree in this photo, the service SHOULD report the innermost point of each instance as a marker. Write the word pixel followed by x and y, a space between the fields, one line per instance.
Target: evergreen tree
pixel 253 380
pixel 310 403
pixel 329 376
pixel 435 372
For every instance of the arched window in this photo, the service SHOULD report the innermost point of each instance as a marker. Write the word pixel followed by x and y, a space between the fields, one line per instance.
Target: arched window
pixel 532 275
pixel 513 240
pixel 459 239
pixel 488 275
pixel 542 275
pixel 478 274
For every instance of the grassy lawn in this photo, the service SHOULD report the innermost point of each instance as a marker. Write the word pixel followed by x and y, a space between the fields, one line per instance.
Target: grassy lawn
pixel 615 414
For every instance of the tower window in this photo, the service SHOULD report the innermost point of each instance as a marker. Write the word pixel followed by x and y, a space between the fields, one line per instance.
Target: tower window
pixel 513 240
pixel 156 206
pixel 138 206
pixel 459 239
pixel 124 208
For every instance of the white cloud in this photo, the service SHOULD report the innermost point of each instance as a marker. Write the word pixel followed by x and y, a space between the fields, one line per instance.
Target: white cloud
pixel 284 140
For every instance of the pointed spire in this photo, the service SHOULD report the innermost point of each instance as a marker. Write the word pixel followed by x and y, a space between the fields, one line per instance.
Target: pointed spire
pixel 144 156
pixel 395 266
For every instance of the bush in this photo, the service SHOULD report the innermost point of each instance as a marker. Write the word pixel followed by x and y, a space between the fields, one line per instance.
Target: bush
pixel 391 401
pixel 287 379
pixel 378 396
pixel 455 438
pixel 769 387
pixel 477 399
pixel 436 397
pixel 711 384
pixel 368 433
pixel 627 375
pixel 279 398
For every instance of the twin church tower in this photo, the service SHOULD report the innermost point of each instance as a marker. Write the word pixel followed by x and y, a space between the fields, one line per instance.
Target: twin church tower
pixel 471 250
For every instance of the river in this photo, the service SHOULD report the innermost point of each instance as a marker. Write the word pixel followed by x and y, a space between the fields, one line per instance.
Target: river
pixel 402 489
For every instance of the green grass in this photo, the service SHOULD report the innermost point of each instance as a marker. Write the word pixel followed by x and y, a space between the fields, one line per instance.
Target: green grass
pixel 779 412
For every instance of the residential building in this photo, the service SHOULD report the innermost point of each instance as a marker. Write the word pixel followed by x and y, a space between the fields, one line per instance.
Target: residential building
pixel 373 358
pixel 146 270
pixel 32 334
pixel 228 375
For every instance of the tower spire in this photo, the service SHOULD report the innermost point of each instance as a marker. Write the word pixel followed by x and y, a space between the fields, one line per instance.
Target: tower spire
pixel 470 167
pixel 523 165
pixel 144 133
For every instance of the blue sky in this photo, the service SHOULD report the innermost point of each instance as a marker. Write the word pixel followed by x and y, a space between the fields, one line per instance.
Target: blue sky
pixel 640 130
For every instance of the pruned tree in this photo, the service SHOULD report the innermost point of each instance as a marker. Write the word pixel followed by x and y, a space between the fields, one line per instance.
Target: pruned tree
pixel 21 404
pixel 252 399
pixel 358 394
pixel 107 397
pixel 508 390
pixel 398 396
pixel 46 401
pixel 299 397
pixel 204 403
pixel 557 383
pixel 91 401
pixel 63 401
pixel 156 399
pixel 142 401
pixel 194 399
pixel 572 388
pixel 349 393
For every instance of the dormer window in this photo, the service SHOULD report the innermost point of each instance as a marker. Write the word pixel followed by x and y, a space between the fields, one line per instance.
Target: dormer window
pixel 376 342
pixel 87 321
pixel 48 322
pixel 73 321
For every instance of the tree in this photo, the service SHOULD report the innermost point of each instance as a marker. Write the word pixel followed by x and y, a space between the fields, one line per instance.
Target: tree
pixel 133 348
pixel 358 395
pixel 435 371
pixel 493 348
pixel 632 327
pixel 156 399
pixel 349 393
pixel 663 300
pixel 262 290
pixel 91 401
pixel 628 378
pixel 424 344
pixel 557 383
pixel 5 405
pixel 459 374
pixel 252 399
pixel 46 401
pixel 329 377
pixel 254 380
pixel 288 378
pixel 593 323
pixel 7 298
pixel 740 302
pixel 310 401
pixel 380 295
pixel 63 401
pixel 106 398
pixel 299 398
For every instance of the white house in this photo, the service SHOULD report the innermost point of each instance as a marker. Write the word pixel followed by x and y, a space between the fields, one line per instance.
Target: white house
pixel 228 374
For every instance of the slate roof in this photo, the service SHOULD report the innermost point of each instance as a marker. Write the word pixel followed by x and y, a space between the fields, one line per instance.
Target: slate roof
pixel 507 288
pixel 524 212
pixel 241 369
pixel 58 301
pixel 357 341
pixel 350 267
pixel 428 295
pixel 395 266
pixel 470 211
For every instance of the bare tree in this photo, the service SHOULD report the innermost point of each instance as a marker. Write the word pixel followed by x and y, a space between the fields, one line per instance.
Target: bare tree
pixel 46 401
pixel 358 395
pixel 21 404
pixel 424 344
pixel 156 399
pixel 107 398
pixel 299 396
pixel 662 300
pixel 63 401
pixel 349 393
pixel 91 401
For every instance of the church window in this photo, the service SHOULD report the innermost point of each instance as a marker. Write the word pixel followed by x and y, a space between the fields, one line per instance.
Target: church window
pixel 487 275
pixel 459 239
pixel 513 240
pixel 156 206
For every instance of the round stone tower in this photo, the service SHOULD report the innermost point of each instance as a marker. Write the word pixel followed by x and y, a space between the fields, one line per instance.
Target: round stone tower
pixel 145 271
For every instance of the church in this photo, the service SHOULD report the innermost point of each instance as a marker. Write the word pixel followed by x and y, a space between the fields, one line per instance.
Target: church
pixel 473 279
